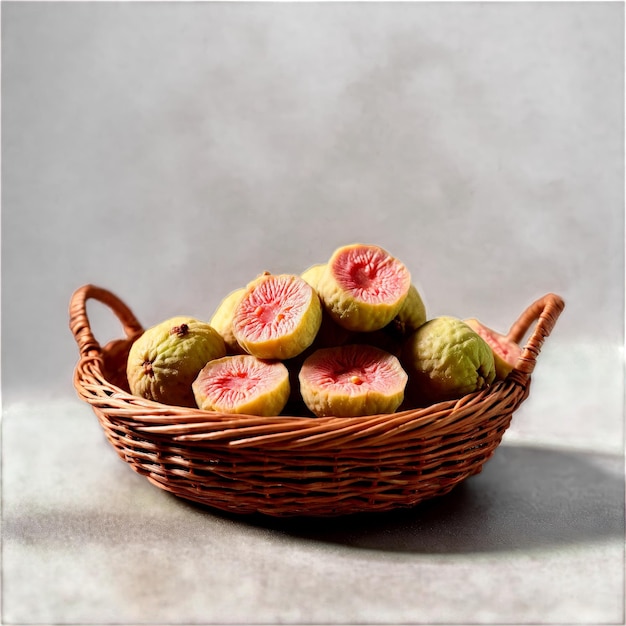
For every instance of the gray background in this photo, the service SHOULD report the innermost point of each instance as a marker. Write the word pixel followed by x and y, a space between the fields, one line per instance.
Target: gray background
pixel 171 152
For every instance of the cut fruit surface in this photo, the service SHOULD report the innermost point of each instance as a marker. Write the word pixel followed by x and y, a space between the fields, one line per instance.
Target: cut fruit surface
pixel 505 351
pixel 363 287
pixel 278 316
pixel 242 384
pixel 352 380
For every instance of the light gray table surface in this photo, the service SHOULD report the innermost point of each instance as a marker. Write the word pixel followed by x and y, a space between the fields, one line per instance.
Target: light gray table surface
pixel 172 151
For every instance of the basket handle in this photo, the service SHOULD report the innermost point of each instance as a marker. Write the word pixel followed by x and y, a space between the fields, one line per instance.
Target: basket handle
pixel 545 311
pixel 79 322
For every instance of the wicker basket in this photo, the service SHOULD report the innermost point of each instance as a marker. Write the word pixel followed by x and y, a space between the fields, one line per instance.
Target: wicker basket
pixel 289 465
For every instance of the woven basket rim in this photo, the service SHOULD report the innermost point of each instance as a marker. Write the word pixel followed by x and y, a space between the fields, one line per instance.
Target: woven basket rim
pixel 544 312
pixel 289 465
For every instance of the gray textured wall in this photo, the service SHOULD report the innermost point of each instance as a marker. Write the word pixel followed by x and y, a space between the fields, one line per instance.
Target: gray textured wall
pixel 170 152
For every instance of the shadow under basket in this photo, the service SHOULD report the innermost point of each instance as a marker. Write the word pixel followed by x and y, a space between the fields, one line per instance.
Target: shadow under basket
pixel 291 465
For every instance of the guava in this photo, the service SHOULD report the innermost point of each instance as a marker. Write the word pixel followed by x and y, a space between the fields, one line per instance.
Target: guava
pixel 352 380
pixel 313 274
pixel 330 333
pixel 412 314
pixel 242 384
pixel 506 352
pixel 222 320
pixel 445 360
pixel 164 361
pixel 278 316
pixel 363 287
pixel 391 337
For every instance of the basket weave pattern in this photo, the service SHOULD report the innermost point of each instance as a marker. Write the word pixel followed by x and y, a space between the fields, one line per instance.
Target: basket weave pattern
pixel 288 465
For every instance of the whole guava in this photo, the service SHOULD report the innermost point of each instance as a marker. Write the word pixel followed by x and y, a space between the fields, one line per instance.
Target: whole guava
pixel 222 320
pixel 445 360
pixel 165 360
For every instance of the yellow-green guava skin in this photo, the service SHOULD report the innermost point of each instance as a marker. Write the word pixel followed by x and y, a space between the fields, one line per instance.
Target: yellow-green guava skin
pixel 446 360
pixel 313 274
pixel 413 312
pixel 351 381
pixel 243 384
pixel 330 333
pixel 391 338
pixel 222 320
pixel 165 360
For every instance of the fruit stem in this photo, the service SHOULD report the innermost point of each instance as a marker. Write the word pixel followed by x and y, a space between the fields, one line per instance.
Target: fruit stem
pixel 181 330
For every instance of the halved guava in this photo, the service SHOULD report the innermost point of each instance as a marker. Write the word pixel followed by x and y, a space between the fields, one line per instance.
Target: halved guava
pixel 278 316
pixel 363 287
pixel 242 384
pixel 352 380
pixel 506 352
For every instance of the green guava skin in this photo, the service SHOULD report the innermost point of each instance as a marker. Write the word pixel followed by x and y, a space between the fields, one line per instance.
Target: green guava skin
pixel 258 336
pixel 165 360
pixel 445 360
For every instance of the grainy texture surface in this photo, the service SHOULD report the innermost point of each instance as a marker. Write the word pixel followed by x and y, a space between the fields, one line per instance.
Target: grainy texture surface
pixel 88 541
pixel 172 151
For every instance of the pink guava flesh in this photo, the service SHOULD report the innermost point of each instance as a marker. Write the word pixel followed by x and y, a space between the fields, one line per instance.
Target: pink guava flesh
pixel 274 308
pixel 370 274
pixel 353 367
pixel 501 345
pixel 229 381
pixel 506 352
